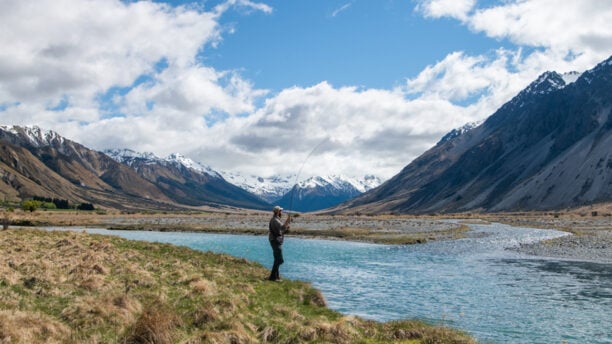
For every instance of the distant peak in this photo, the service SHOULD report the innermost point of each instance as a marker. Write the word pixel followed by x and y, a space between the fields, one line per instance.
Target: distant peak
pixel 179 159
pixel 341 182
pixel 122 154
pixel 129 157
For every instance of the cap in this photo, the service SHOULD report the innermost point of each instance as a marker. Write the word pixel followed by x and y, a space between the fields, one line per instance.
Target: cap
pixel 277 209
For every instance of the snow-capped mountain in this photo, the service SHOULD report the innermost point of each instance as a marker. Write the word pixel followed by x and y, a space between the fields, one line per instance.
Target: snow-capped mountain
pixel 311 194
pixel 131 158
pixel 186 181
pixel 341 183
pixel 269 189
pixel 37 162
pixel 36 136
pixel 318 193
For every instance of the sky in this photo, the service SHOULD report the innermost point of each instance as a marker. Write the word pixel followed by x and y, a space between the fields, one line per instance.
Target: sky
pixel 267 87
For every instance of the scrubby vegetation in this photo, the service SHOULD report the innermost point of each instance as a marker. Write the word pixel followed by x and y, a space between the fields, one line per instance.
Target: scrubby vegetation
pixel 69 287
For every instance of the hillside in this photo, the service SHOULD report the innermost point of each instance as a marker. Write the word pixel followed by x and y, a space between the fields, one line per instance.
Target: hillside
pixel 546 149
pixel 91 288
pixel 34 162
pixel 39 163
pixel 186 181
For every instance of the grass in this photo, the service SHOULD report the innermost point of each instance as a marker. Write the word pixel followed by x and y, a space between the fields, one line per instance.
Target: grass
pixel 70 287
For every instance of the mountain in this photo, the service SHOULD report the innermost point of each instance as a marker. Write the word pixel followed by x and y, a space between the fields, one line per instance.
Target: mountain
pixel 315 193
pixel 546 149
pixel 318 193
pixel 35 162
pixel 186 181
pixel 270 189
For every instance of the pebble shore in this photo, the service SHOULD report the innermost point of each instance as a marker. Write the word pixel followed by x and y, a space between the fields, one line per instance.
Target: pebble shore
pixel 590 239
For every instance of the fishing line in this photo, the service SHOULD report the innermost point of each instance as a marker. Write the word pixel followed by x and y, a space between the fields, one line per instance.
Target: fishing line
pixel 297 176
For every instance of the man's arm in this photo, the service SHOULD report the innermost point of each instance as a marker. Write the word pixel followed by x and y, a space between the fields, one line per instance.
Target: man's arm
pixel 286 226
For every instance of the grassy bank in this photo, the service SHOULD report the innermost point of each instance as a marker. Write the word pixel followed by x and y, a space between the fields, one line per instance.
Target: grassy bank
pixel 68 287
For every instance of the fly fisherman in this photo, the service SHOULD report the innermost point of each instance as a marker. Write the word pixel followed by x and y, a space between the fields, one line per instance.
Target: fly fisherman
pixel 276 237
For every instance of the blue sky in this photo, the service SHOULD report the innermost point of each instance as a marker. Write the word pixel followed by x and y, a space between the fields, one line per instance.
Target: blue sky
pixel 252 86
pixel 366 43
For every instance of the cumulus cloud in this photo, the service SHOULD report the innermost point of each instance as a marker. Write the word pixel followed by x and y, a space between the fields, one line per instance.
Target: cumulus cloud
pixel 565 31
pixel 114 74
pixel 81 52
pixel 345 130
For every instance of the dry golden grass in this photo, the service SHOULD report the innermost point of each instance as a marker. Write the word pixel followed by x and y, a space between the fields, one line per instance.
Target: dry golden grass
pixel 31 327
pixel 156 324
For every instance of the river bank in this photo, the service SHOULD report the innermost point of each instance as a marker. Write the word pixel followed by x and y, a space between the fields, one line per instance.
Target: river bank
pixel 590 237
pixel 74 287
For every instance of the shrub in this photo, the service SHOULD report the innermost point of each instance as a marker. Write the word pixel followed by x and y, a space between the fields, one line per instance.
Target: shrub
pixel 48 205
pixel 86 206
pixel 30 205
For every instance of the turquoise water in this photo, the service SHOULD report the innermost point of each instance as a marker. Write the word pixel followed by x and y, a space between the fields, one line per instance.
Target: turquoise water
pixel 473 284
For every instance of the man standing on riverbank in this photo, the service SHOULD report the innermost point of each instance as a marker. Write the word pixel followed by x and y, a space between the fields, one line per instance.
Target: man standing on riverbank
pixel 276 237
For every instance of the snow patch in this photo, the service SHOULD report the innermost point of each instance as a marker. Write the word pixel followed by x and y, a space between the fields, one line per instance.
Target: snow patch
pixel 268 188
pixel 182 160
pixel 128 157
pixel 340 182
pixel 570 77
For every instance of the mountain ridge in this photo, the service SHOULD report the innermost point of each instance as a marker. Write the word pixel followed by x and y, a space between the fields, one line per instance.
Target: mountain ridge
pixel 516 159
pixel 41 163
pixel 186 181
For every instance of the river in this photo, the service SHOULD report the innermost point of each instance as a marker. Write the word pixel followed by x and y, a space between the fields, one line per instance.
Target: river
pixel 474 284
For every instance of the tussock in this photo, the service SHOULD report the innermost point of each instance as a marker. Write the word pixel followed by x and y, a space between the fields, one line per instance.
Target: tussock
pixel 30 327
pixel 204 287
pixel 156 324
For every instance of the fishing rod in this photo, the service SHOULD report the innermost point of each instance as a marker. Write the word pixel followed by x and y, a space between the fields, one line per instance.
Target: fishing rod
pixel 297 176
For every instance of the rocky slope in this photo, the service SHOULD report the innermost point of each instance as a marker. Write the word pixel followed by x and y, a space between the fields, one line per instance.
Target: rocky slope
pixel 34 162
pixel 548 148
pixel 187 182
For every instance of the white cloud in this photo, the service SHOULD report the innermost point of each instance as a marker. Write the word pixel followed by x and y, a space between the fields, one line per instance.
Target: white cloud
pixel 352 131
pixel 74 52
pixel 79 50
pixel 446 8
